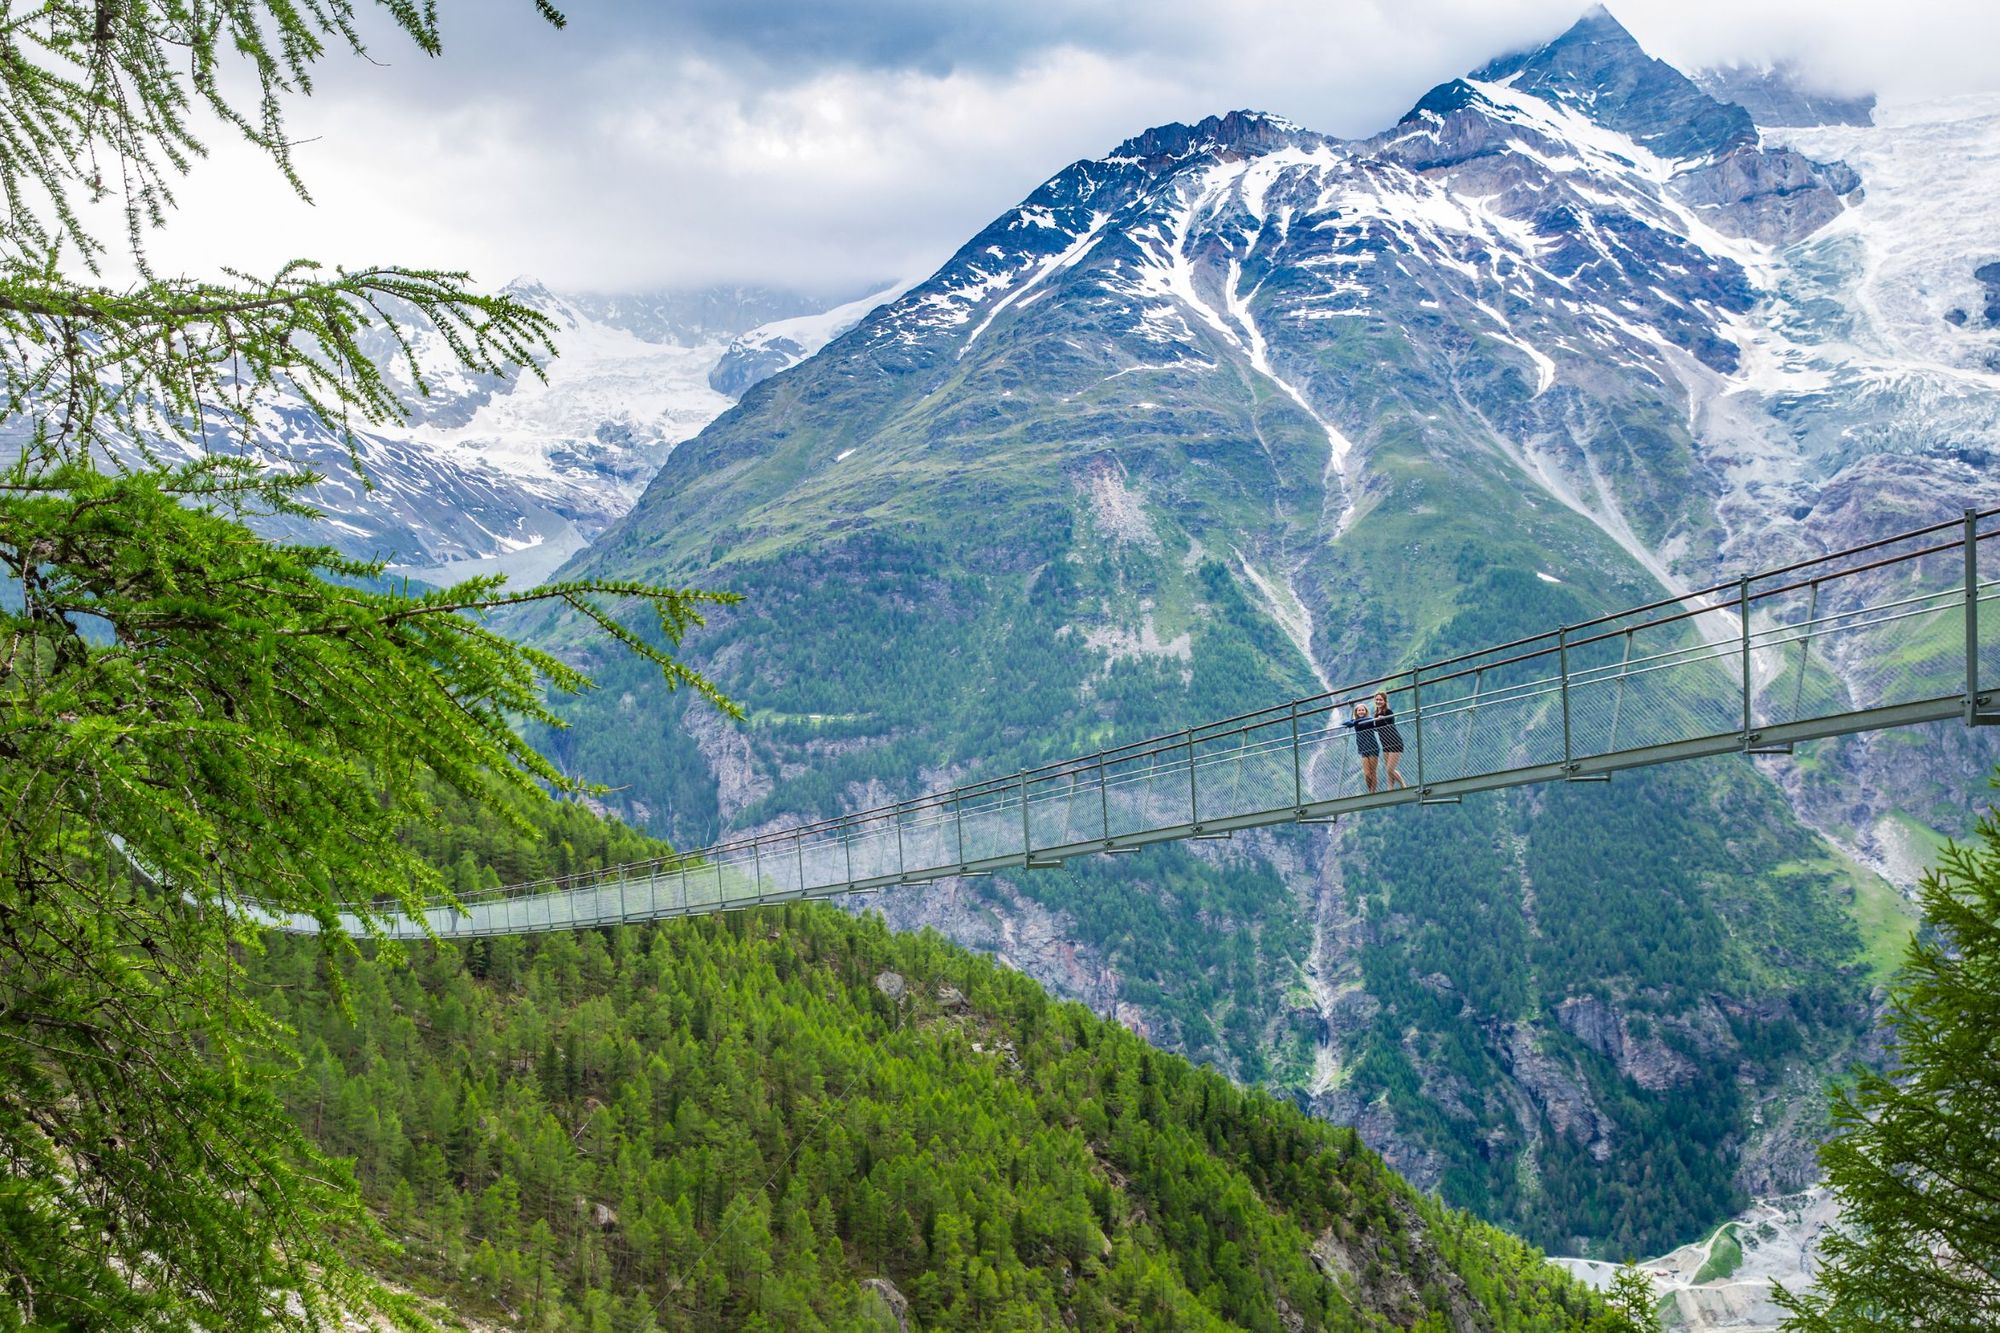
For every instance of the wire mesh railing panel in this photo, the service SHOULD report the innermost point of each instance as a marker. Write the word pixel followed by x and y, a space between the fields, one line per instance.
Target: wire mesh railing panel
pixel 871 849
pixel 655 888
pixel 1684 680
pixel 1245 772
pixel 1064 808
pixel 929 842
pixel 993 825
pixel 1589 698
pixel 700 887
pixel 1899 634
pixel 1329 759
pixel 780 869
pixel 822 858
pixel 1450 709
pixel 737 879
pixel 1794 678
pixel 1988 622
pixel 1148 791
pixel 1514 724
pixel 582 904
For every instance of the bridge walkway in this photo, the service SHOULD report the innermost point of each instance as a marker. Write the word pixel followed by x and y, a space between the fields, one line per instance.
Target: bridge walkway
pixel 1892 633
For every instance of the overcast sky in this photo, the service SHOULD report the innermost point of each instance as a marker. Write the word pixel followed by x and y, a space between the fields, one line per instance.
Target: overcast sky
pixel 829 144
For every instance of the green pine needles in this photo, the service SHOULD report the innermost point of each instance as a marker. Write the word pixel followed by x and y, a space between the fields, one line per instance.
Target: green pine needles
pixel 193 718
pixel 1915 1158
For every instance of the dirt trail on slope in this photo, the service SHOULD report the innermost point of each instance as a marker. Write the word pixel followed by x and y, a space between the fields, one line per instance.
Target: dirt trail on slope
pixel 1780 1237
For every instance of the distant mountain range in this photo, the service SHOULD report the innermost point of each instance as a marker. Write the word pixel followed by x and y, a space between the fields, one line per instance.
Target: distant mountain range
pixel 517 475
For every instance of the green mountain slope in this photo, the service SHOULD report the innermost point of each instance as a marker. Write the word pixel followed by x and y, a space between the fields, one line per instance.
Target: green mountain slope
pixel 795 1119
pixel 1232 414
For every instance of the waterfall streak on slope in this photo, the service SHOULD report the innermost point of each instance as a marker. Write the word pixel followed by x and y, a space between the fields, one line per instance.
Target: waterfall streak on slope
pixel 1291 613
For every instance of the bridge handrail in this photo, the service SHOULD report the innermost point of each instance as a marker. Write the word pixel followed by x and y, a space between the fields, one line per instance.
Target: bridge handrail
pixel 1328 699
pixel 1740 596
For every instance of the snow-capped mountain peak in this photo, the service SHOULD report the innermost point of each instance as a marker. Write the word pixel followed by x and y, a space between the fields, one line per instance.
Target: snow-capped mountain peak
pixel 1240 132
pixel 781 343
pixel 1568 219
pixel 1599 69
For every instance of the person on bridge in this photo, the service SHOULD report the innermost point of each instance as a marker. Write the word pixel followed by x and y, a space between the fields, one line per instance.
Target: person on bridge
pixel 1366 741
pixel 1390 739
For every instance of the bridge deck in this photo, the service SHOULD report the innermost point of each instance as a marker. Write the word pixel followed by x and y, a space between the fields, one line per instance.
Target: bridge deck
pixel 1892 633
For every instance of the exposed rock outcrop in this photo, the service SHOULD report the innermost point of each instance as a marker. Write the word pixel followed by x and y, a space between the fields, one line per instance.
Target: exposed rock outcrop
pixel 1772 195
pixel 894 1301
pixel 1648 1062
pixel 1558 1090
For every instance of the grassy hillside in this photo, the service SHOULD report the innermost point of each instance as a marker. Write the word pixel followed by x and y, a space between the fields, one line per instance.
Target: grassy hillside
pixel 795 1119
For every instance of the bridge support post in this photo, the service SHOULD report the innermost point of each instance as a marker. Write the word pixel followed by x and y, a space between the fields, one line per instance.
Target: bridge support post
pixel 1562 674
pixel 1975 715
pixel 1743 606
pixel 1194 803
pixel 1618 693
pixel 1805 652
pixel 958 825
pixel 1027 837
pixel 757 869
pixel 1298 769
pixel 1417 726
pixel 799 853
pixel 1103 799
pixel 1471 717
pixel 901 868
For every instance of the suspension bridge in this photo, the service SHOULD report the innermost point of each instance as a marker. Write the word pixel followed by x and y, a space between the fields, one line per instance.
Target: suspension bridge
pixel 1891 633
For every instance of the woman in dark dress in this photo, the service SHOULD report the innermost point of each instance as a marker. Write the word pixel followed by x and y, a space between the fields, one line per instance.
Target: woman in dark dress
pixel 1366 742
pixel 1390 739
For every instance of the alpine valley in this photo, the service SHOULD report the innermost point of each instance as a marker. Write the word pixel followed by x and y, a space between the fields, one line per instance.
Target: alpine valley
pixel 1239 411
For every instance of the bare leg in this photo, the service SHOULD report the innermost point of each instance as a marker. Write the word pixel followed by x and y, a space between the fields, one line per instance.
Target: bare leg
pixel 1389 761
pixel 1368 762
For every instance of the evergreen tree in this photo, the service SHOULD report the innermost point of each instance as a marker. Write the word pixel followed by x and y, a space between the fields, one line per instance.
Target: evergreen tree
pixel 1915 1158
pixel 1631 1300
pixel 192 719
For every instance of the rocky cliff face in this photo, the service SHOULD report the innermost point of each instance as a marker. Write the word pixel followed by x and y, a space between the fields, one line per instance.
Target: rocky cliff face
pixel 1240 410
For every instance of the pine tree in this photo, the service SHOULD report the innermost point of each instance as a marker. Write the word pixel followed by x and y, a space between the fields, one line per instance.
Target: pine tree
pixel 1631 1300
pixel 1915 1157
pixel 193 719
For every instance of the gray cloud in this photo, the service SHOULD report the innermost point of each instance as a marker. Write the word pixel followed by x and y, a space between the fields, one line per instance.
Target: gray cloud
pixel 826 145
pixel 923 35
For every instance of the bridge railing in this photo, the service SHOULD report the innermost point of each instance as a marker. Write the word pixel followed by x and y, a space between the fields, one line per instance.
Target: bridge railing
pixel 1901 630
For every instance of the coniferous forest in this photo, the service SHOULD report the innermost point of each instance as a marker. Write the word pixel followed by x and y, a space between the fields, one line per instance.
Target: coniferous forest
pixel 739 1121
